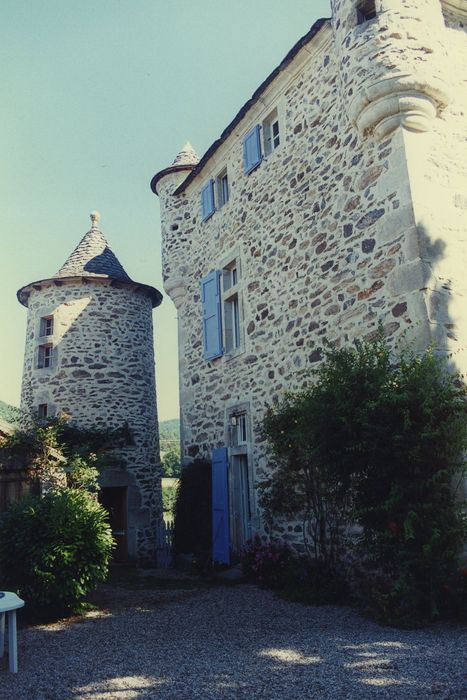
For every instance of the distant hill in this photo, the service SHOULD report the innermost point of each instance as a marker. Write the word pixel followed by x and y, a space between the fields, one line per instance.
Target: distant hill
pixel 169 434
pixel 8 413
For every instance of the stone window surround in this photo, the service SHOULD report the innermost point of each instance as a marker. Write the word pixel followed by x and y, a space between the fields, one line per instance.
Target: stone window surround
pixel 231 411
pixel 366 11
pixel 226 263
pixel 45 356
pixel 46 328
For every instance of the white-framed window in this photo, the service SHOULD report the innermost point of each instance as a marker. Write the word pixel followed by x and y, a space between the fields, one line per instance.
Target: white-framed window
pixel 239 429
pixel 222 182
pixel 231 306
pixel 47 326
pixel 45 356
pixel 261 141
pixel 42 410
pixel 271 132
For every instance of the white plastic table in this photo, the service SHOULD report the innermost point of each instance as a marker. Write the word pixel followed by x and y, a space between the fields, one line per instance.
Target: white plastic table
pixel 9 604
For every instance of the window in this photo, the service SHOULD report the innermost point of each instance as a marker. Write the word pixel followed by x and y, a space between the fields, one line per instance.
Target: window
pixel 207 200
pixel 47 325
pixel 366 11
pixel 271 135
pixel 252 156
pixel 45 356
pixel 238 429
pixel 221 308
pixel 231 306
pixel 222 189
pixel 42 410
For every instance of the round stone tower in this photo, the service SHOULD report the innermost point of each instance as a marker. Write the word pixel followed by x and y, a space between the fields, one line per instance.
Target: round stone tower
pixel 176 244
pixel 89 354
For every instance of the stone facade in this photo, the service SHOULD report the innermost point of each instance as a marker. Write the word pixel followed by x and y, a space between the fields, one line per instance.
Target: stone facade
pixel 357 218
pixel 101 371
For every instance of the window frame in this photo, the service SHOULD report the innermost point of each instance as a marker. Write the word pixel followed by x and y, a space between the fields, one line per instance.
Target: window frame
pixel 222 188
pixel 232 308
pixel 42 411
pixel 46 326
pixel 366 11
pixel 45 356
pixel 269 138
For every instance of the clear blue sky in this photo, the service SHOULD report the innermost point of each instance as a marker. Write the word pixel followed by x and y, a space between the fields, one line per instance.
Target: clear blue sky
pixel 97 96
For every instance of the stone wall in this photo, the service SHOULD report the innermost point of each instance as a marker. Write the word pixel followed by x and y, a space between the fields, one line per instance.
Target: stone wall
pixel 102 376
pixel 330 239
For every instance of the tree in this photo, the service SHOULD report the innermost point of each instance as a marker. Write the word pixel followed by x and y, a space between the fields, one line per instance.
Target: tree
pixel 376 443
pixel 171 463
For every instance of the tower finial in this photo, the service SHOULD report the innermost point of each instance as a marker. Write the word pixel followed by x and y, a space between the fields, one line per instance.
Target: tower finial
pixel 95 218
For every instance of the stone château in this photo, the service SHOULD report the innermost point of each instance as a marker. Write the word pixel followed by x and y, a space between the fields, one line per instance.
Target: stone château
pixel 334 202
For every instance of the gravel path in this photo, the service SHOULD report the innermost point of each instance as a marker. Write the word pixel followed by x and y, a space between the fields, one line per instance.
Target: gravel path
pixel 238 642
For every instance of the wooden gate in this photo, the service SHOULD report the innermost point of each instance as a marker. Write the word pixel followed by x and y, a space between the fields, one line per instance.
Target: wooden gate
pixel 164 544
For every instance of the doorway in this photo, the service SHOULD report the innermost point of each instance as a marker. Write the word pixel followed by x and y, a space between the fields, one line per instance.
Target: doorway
pixel 240 502
pixel 114 500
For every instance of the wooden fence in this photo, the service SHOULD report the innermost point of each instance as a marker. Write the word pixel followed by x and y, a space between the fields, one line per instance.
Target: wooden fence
pixel 164 544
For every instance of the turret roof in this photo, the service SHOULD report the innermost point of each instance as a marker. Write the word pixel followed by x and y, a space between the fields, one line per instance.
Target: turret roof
pixel 187 159
pixel 186 156
pixel 93 257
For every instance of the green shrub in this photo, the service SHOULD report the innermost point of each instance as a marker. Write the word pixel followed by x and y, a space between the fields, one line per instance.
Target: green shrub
pixel 376 443
pixel 169 499
pixel 54 549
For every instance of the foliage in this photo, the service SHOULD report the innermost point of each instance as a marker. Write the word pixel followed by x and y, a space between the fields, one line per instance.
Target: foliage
pixel 171 463
pixel 54 549
pixel 376 444
pixel 193 512
pixel 61 455
pixel 10 414
pixel 169 499
pixel 169 434
pixel 267 563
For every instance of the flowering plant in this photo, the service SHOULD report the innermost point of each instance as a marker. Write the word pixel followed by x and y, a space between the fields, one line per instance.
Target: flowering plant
pixel 267 563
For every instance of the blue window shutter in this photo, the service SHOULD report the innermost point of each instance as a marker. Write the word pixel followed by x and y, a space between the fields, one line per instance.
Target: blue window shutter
pixel 212 315
pixel 252 150
pixel 220 506
pixel 207 200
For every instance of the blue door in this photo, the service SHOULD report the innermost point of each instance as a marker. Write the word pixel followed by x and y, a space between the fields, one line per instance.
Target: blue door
pixel 220 506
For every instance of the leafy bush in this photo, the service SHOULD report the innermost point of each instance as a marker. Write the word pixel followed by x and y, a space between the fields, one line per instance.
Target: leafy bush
pixel 169 499
pixel 193 526
pixel 267 563
pixel 54 549
pixel 378 444
pixel 171 463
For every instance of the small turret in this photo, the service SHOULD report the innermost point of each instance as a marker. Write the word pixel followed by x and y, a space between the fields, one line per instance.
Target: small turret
pixel 393 63
pixel 174 243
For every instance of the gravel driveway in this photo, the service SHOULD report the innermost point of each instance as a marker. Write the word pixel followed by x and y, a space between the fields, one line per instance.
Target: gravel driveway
pixel 232 642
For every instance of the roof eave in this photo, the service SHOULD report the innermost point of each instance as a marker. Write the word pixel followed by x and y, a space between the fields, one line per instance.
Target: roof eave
pixel 249 104
pixel 153 293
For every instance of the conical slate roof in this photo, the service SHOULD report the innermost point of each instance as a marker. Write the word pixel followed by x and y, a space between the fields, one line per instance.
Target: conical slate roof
pixel 93 256
pixel 186 159
pixel 187 156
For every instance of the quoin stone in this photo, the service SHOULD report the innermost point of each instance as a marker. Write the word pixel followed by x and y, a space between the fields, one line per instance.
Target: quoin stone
pixel 89 356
